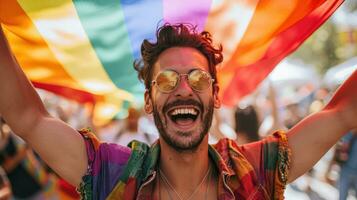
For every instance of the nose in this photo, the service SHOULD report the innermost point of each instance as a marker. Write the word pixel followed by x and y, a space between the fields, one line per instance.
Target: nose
pixel 183 89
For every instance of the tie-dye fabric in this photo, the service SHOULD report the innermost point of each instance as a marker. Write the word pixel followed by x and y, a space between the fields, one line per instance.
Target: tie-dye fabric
pixel 253 171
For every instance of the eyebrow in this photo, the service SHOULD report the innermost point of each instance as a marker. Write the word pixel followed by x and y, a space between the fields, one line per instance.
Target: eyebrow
pixel 195 68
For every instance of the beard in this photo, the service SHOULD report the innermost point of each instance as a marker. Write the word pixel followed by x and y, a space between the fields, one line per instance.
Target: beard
pixel 190 142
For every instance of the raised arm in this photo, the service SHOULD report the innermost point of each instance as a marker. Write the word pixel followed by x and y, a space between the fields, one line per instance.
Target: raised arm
pixel 314 136
pixel 58 144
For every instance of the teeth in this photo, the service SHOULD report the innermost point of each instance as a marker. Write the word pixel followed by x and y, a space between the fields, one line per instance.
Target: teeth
pixel 184 111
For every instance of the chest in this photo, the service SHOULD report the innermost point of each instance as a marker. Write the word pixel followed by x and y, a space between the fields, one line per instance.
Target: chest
pixel 215 189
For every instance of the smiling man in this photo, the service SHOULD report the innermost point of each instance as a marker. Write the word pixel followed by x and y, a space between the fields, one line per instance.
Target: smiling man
pixel 179 73
pixel 182 108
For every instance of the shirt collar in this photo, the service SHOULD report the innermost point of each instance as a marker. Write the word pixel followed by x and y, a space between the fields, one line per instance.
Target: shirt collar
pixel 154 154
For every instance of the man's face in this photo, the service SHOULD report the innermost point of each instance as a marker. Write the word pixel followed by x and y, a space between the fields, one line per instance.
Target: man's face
pixel 182 116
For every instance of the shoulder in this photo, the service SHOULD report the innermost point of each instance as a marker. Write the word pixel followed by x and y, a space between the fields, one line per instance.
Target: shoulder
pixel 105 150
pixel 269 158
pixel 268 154
pixel 106 163
pixel 104 156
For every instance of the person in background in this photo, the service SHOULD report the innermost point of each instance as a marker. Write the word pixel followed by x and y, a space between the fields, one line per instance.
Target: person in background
pixel 348 173
pixel 5 187
pixel 293 115
pixel 345 156
pixel 123 131
pixel 130 131
pixel 28 178
pixel 246 125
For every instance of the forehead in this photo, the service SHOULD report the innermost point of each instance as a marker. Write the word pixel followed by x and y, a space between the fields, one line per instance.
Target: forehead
pixel 180 59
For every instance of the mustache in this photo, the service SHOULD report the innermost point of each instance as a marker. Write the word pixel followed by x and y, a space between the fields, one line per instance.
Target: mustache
pixel 180 102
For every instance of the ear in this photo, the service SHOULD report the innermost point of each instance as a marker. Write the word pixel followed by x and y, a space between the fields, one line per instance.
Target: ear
pixel 216 100
pixel 148 107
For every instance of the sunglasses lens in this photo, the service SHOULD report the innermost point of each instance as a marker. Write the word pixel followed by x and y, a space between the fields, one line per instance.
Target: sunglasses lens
pixel 199 80
pixel 167 80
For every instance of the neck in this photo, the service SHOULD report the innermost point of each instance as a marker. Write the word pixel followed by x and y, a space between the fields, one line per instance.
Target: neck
pixel 184 170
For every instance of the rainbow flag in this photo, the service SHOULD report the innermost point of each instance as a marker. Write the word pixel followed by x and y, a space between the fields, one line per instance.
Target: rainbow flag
pixel 84 49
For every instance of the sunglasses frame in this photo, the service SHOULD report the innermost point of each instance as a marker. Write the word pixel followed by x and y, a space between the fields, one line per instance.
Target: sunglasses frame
pixel 179 80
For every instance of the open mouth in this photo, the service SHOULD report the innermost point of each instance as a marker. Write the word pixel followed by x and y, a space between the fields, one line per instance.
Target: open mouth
pixel 184 115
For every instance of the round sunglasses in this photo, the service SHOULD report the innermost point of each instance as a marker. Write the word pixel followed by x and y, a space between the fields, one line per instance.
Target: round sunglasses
pixel 168 80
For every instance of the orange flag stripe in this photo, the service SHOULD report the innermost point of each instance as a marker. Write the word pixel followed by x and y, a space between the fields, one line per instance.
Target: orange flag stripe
pixel 268 21
pixel 33 64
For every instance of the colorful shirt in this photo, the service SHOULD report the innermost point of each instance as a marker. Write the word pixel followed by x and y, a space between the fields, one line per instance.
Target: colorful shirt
pixel 253 171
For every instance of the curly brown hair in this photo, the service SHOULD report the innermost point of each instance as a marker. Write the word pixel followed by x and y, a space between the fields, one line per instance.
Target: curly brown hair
pixel 178 35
